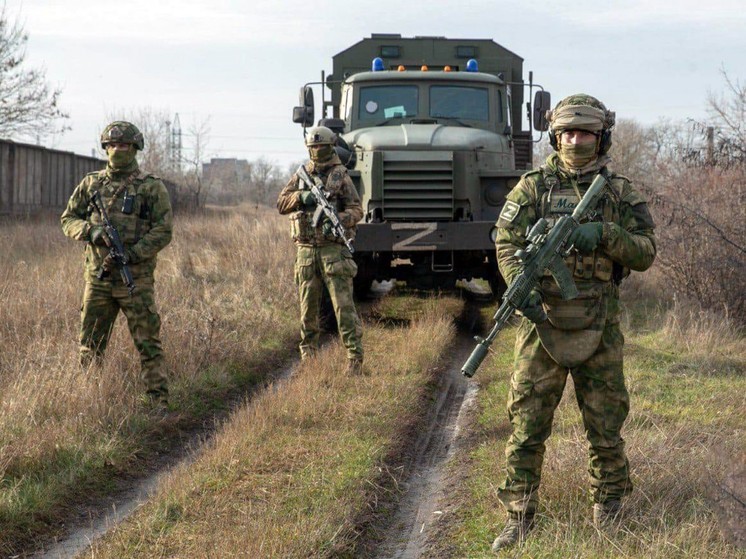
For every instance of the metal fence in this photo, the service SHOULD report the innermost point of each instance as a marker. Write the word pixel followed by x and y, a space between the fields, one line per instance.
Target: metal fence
pixel 33 178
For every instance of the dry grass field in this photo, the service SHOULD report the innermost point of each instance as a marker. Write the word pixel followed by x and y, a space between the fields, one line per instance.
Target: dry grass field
pixel 300 469
pixel 296 471
pixel 224 291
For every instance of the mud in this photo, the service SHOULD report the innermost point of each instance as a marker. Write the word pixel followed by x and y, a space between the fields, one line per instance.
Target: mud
pixel 420 507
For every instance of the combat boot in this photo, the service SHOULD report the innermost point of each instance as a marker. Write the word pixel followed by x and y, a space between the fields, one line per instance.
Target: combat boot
pixel 355 367
pixel 515 531
pixel 606 515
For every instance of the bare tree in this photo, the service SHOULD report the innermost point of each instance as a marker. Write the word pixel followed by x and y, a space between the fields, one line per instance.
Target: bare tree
pixel 28 106
pixel 722 138
pixel 196 187
pixel 266 181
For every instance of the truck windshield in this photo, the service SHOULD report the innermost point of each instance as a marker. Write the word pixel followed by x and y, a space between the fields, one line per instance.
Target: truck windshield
pixel 462 103
pixel 387 101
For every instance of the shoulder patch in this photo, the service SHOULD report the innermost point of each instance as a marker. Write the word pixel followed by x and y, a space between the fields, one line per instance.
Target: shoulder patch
pixel 510 211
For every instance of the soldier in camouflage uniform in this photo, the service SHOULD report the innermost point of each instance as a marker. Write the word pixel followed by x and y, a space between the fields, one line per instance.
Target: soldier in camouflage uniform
pixel 322 259
pixel 581 336
pixel 139 208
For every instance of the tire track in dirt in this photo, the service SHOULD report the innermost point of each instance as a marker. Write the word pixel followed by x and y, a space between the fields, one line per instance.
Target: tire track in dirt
pixel 92 521
pixel 418 510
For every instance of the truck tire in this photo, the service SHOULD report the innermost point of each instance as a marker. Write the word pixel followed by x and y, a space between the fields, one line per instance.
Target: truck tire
pixel 327 318
pixel 366 273
pixel 498 285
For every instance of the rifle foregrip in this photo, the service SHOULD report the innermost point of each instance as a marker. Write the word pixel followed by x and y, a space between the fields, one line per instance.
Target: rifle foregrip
pixel 475 359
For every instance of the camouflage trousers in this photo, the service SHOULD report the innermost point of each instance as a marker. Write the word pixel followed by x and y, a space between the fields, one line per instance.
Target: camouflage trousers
pixel 331 265
pixel 535 391
pixel 101 304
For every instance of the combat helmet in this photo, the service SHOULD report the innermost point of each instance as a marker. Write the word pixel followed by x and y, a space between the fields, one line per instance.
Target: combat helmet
pixel 581 112
pixel 122 132
pixel 319 135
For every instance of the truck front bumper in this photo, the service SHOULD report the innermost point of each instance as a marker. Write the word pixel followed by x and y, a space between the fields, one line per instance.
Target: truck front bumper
pixel 402 237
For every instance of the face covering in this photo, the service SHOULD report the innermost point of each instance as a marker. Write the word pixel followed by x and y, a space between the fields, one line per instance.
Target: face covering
pixel 577 156
pixel 119 159
pixel 321 153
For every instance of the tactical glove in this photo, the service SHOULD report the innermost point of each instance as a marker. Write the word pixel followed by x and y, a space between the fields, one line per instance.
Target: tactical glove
pixel 532 308
pixel 108 263
pixel 587 237
pixel 98 236
pixel 307 199
pixel 327 229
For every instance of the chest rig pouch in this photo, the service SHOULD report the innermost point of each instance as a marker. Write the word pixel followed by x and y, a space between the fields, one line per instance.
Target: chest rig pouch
pixel 573 329
pixel 301 222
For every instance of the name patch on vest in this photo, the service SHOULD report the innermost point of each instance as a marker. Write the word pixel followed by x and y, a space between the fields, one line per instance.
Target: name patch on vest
pixel 563 202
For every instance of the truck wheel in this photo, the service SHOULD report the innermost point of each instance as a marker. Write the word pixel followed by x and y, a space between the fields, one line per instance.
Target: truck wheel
pixel 327 318
pixel 498 285
pixel 366 273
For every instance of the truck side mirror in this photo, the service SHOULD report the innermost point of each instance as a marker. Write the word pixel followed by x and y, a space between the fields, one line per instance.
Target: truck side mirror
pixel 304 114
pixel 542 103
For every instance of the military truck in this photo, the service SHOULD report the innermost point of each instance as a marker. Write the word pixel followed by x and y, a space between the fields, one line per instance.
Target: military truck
pixel 431 131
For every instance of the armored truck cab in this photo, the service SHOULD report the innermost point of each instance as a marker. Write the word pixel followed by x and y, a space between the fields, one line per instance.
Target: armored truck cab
pixel 433 143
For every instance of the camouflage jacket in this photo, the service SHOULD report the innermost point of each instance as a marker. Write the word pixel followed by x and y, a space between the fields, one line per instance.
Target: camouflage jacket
pixel 341 191
pixel 627 242
pixel 144 232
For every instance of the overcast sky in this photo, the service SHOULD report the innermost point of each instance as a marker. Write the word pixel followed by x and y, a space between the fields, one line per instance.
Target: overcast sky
pixel 240 64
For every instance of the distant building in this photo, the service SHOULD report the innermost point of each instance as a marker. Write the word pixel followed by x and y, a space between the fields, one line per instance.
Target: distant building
pixel 227 179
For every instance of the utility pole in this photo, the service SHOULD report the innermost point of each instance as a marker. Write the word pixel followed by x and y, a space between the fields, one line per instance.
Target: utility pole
pixel 176 143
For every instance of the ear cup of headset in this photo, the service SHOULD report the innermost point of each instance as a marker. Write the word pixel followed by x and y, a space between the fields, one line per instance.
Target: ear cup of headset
pixel 553 140
pixel 605 143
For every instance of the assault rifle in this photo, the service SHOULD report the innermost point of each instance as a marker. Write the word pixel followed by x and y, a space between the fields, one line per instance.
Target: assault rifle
pixel 324 207
pixel 545 250
pixel 114 242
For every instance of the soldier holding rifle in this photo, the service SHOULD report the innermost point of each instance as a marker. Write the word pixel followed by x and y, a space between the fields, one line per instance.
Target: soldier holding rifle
pixel 324 238
pixel 119 265
pixel 579 336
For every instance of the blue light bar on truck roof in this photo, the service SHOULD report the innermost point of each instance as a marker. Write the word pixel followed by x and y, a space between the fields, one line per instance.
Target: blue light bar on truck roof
pixel 377 65
pixel 472 66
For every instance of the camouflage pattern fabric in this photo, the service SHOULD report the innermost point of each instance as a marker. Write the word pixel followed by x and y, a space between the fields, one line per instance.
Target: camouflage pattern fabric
pixel 331 265
pixel 323 259
pixel 628 243
pixel 340 190
pixel 101 304
pixel 144 231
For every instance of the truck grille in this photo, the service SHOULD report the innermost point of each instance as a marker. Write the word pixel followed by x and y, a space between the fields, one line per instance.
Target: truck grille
pixel 418 190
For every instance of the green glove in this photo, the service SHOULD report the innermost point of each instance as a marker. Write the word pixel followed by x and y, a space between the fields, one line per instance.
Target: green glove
pixel 307 198
pixel 98 236
pixel 586 237
pixel 327 229
pixel 532 309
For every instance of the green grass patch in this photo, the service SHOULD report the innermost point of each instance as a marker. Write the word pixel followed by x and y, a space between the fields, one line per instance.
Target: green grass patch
pixel 688 416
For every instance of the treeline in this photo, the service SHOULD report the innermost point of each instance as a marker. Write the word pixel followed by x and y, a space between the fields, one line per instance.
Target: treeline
pixel 182 158
pixel 694 175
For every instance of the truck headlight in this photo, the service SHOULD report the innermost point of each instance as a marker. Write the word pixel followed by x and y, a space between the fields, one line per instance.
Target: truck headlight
pixel 493 235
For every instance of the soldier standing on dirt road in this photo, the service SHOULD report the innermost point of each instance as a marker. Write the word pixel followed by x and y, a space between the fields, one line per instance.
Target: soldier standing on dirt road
pixel 139 208
pixel 580 336
pixel 322 258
